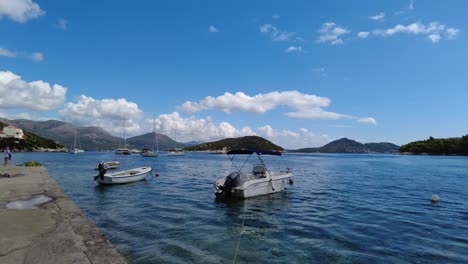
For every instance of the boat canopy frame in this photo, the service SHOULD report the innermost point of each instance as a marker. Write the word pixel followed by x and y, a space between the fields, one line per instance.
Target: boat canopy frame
pixel 232 153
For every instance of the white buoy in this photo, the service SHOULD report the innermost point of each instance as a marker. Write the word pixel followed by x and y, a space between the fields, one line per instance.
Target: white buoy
pixel 435 198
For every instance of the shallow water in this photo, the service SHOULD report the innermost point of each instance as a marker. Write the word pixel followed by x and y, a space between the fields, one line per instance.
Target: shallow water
pixel 341 209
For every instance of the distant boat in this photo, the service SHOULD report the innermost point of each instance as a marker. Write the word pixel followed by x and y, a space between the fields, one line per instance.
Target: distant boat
pixel 124 150
pixel 110 165
pixel 76 148
pixel 126 176
pixel 155 151
pixel 260 181
pixel 176 151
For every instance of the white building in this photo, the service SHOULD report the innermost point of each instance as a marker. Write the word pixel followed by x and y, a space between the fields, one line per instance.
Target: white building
pixel 12 131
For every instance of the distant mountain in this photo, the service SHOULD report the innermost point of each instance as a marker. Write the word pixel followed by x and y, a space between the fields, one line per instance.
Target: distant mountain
pixel 30 142
pixel 437 146
pixel 91 138
pixel 146 141
pixel 345 145
pixel 248 142
pixel 192 143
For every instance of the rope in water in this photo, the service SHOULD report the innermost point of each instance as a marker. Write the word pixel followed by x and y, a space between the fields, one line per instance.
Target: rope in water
pixel 238 242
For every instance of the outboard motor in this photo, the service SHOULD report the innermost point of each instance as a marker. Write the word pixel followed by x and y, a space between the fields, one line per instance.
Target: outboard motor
pixel 102 168
pixel 231 182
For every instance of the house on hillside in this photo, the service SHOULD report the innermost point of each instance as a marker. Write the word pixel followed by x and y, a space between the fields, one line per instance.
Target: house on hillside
pixel 12 131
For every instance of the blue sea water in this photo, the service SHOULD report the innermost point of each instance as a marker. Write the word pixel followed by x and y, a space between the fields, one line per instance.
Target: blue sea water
pixel 341 209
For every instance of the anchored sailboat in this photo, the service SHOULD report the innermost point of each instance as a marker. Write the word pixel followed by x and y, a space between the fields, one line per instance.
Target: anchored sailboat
pixel 76 148
pixel 155 151
pixel 124 150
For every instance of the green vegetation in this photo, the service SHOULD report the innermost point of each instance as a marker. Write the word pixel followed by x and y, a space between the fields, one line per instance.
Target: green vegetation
pixel 31 164
pixel 29 143
pixel 438 146
pixel 249 142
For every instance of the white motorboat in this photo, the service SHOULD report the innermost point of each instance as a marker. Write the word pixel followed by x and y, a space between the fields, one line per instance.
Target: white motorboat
pixel 120 177
pixel 176 152
pixel 259 181
pixel 110 165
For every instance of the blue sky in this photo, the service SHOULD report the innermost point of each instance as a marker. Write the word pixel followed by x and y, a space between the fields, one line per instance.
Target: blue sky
pixel 301 73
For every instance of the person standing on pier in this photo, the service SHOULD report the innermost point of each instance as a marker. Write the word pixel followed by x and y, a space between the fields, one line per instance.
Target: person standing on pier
pixel 6 156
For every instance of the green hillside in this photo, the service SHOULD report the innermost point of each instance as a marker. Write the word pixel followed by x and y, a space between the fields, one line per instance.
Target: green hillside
pixel 248 142
pixel 29 143
pixel 437 146
pixel 345 145
pixel 147 141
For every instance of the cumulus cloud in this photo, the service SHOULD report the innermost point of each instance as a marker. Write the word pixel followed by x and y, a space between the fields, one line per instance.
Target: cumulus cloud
pixel 294 49
pixel 206 129
pixel 7 53
pixel 293 139
pixel 20 10
pixel 106 113
pixel 378 17
pixel 193 128
pixel 213 29
pixel 36 95
pixel 275 34
pixel 259 103
pixel 37 56
pixel 363 34
pixel 62 23
pixel 331 33
pixel 433 31
pixel 367 120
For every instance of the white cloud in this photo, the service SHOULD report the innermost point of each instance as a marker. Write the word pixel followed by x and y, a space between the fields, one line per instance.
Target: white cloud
pixel 37 56
pixel 331 33
pixel 7 53
pixel 363 34
pixel 378 17
pixel 275 16
pixel 367 120
pixel 275 34
pixel 452 33
pixel 316 113
pixel 62 23
pixel 434 38
pixel 16 116
pixel 206 129
pixel 37 95
pixel 20 10
pixel 192 128
pixel 432 31
pixel 294 49
pixel 259 103
pixel 213 29
pixel 292 139
pixel 106 113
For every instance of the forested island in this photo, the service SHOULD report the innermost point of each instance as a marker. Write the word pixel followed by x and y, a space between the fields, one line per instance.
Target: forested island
pixel 437 146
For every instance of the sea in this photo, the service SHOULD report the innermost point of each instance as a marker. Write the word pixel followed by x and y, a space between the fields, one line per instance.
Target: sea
pixel 342 208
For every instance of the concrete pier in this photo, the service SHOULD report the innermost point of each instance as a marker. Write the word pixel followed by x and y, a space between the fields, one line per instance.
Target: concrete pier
pixel 53 232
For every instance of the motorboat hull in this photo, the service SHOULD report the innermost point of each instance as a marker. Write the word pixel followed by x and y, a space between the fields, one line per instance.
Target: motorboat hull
pixel 257 187
pixel 122 177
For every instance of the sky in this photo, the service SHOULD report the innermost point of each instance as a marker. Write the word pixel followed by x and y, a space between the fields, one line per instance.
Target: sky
pixel 299 73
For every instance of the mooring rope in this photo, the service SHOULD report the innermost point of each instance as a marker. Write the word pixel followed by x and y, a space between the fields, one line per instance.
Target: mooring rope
pixel 238 242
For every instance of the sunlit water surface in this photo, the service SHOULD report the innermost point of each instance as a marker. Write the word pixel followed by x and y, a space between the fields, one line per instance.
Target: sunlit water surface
pixel 341 209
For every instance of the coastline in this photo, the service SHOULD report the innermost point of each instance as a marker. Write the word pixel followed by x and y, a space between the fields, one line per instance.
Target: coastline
pixel 55 231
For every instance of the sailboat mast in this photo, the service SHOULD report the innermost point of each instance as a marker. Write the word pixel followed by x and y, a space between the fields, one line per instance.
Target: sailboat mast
pixel 74 142
pixel 125 137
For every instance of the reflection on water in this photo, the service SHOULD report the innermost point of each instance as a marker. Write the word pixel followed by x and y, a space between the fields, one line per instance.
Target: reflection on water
pixel 341 209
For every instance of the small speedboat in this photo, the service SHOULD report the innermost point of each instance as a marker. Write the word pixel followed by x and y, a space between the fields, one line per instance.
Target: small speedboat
pixel 259 181
pixel 120 177
pixel 110 165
